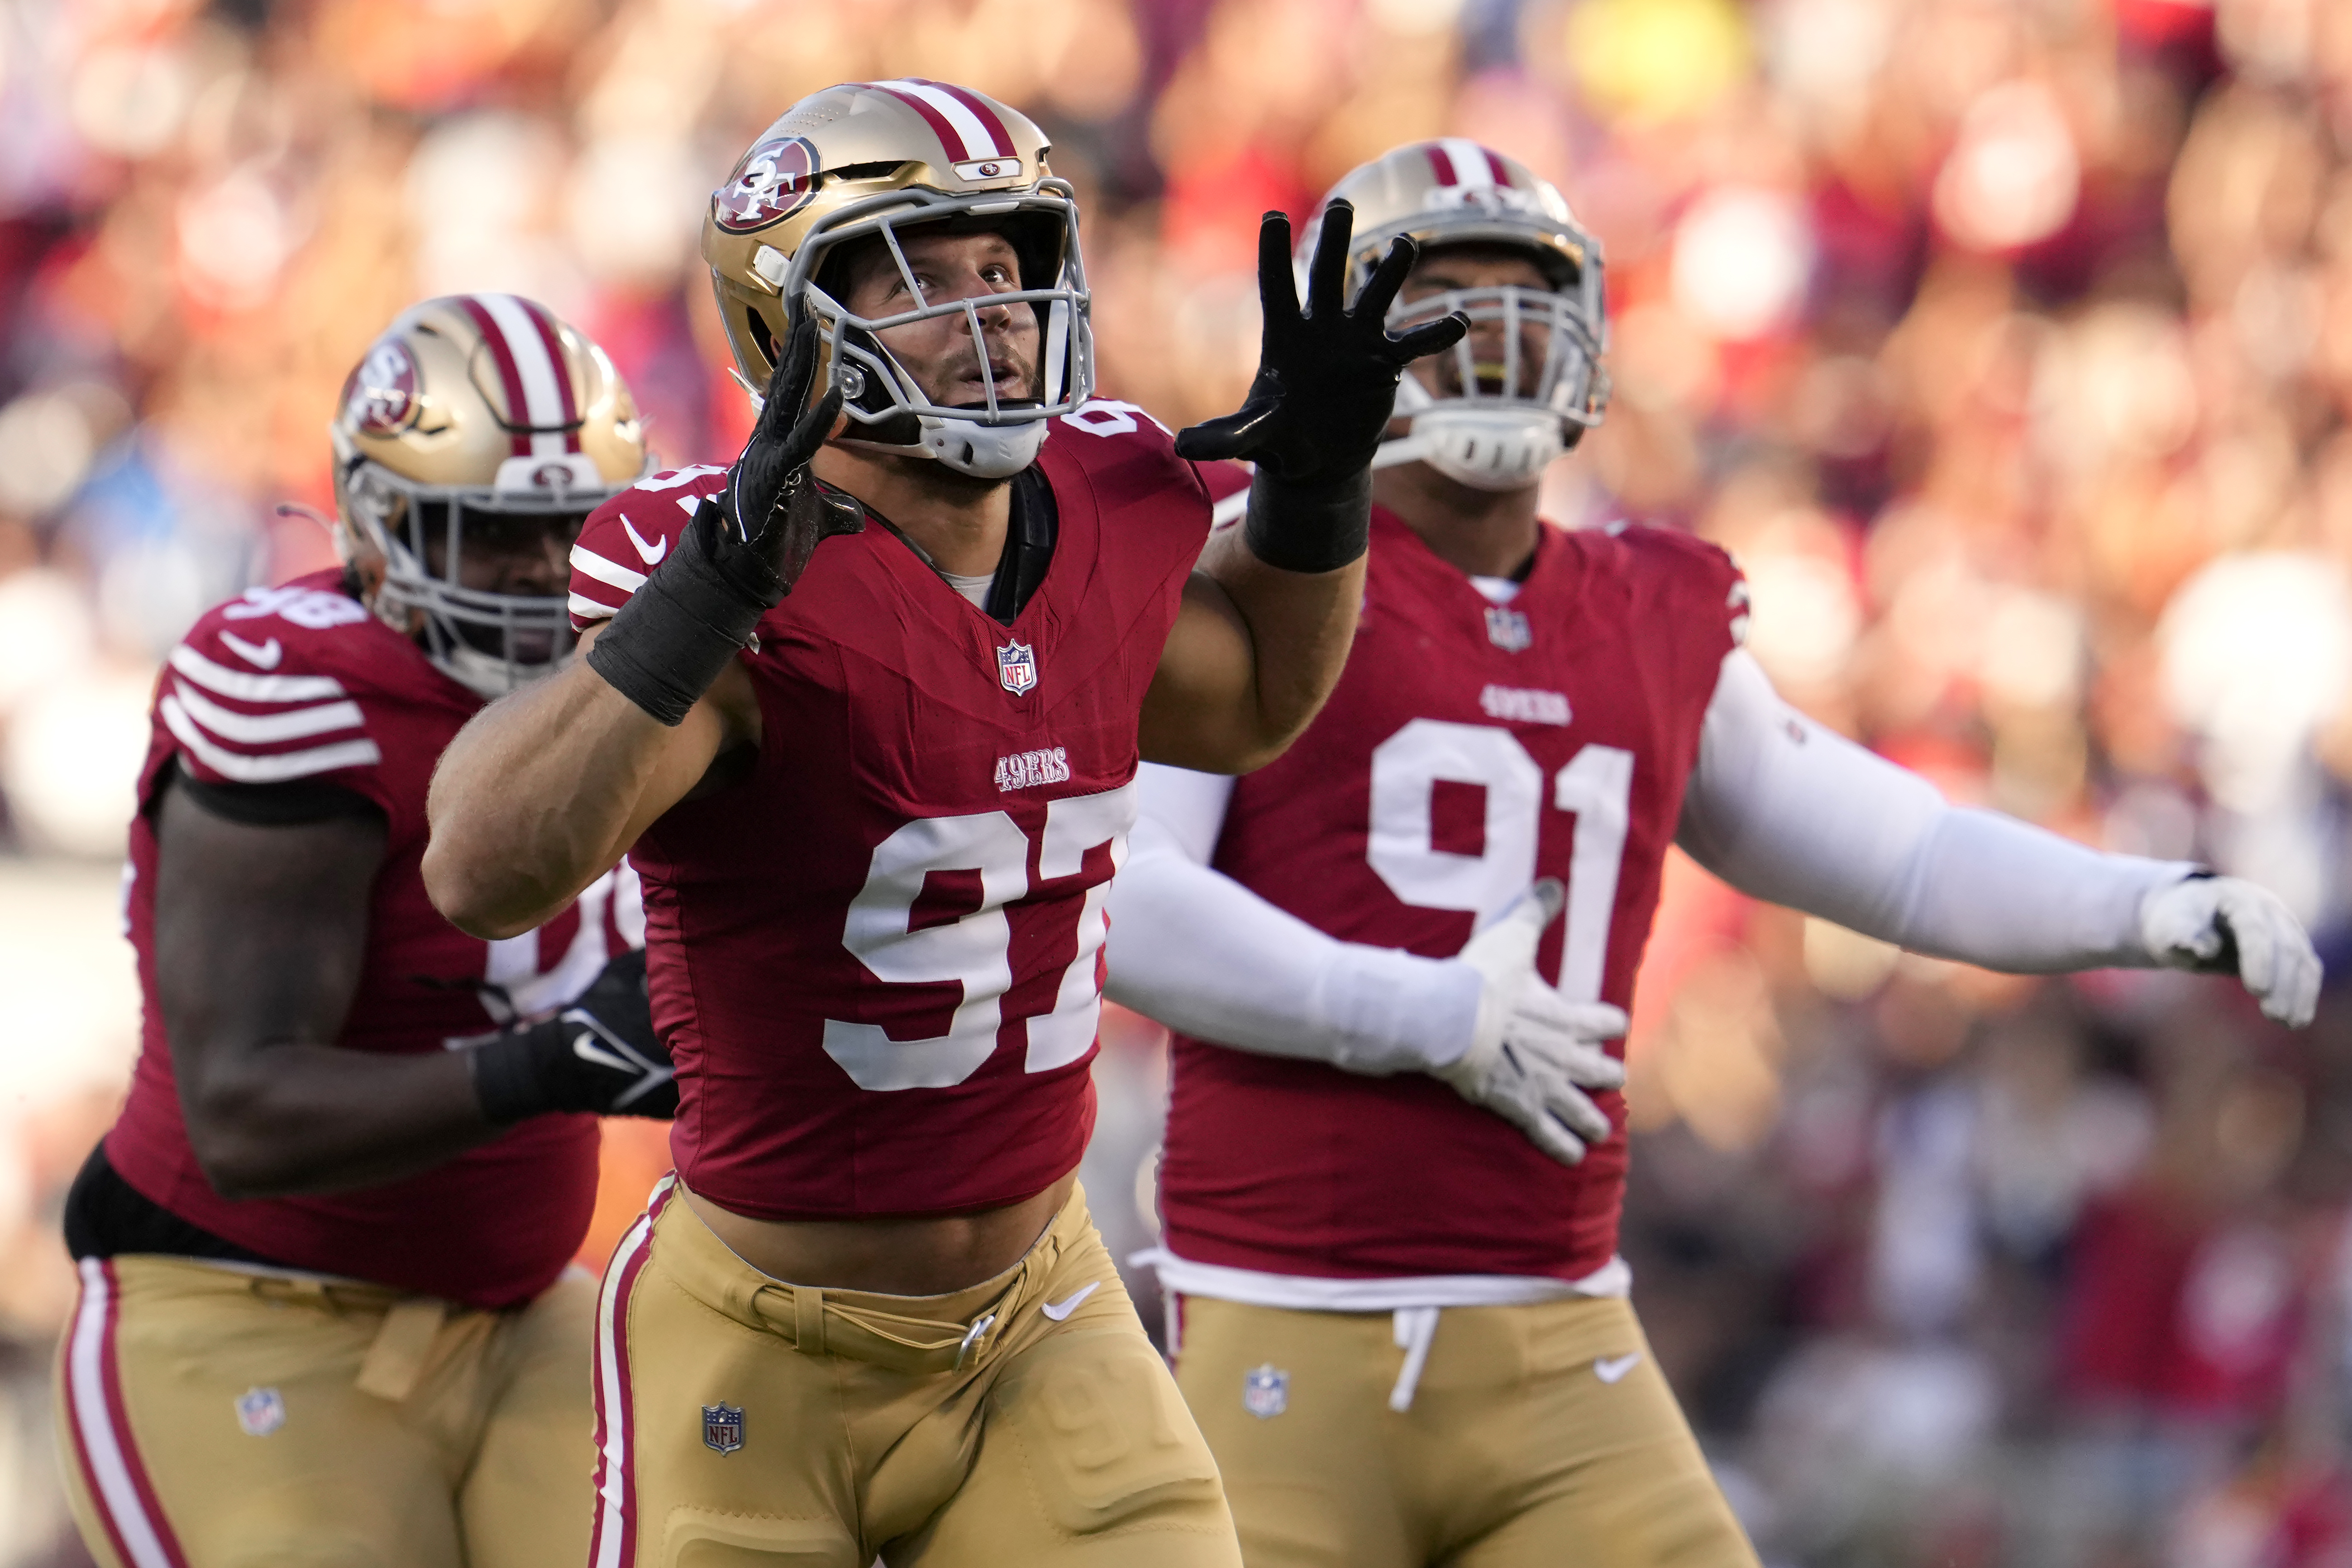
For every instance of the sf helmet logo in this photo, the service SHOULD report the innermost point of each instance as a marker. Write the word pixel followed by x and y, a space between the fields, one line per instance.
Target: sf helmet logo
pixel 380 397
pixel 775 179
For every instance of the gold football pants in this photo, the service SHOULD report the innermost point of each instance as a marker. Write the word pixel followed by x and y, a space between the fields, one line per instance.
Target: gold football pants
pixel 212 1418
pixel 1536 1436
pixel 746 1423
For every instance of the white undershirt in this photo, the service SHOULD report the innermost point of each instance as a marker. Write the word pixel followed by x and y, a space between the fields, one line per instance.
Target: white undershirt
pixel 1778 806
pixel 1498 590
pixel 972 588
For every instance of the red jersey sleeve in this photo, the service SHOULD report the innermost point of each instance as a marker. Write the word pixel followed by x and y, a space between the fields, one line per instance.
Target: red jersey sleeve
pixel 630 535
pixel 274 688
pixel 1700 591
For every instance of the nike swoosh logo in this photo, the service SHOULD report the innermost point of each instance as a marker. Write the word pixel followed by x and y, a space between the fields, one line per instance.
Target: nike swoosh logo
pixel 650 554
pixel 262 655
pixel 1057 1311
pixel 1613 1368
pixel 585 1047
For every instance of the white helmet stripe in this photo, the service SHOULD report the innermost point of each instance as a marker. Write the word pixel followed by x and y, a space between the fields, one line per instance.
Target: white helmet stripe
pixel 1469 160
pixel 543 391
pixel 977 141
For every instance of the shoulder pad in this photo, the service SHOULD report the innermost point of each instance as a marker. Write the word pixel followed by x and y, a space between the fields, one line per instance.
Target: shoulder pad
pixel 262 689
pixel 630 535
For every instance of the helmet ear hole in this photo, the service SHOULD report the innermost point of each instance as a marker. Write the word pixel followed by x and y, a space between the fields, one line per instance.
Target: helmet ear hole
pixel 761 339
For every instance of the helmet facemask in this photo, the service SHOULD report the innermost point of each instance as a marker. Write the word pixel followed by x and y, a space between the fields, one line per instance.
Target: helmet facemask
pixel 1519 389
pixel 490 642
pixel 888 406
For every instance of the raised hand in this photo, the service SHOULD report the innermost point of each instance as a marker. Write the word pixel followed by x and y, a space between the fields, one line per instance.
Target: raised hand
pixel 773 504
pixel 1327 375
pixel 745 549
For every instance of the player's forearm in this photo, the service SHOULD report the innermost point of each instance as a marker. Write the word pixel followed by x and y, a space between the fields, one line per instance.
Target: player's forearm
pixel 274 1120
pixel 1788 812
pixel 1300 625
pixel 535 798
pixel 1209 958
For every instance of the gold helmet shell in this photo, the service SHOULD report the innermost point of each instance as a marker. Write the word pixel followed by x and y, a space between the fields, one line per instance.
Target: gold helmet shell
pixel 474 412
pixel 872 159
pixel 1527 381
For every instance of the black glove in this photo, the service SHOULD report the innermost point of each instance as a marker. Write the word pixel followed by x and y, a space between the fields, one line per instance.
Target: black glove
pixel 739 556
pixel 600 1054
pixel 1324 392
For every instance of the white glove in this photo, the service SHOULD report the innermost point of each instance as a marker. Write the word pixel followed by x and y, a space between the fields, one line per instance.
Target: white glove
pixel 2221 925
pixel 1531 1049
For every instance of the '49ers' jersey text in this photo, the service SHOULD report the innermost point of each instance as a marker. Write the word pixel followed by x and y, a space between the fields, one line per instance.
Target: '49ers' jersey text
pixel 301 683
pixel 1470 747
pixel 878 957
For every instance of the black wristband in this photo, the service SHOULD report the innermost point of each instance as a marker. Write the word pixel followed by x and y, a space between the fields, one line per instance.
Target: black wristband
pixel 508 1081
pixel 679 630
pixel 1320 525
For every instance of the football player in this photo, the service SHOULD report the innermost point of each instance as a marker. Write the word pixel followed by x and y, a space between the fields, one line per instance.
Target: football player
pixel 1403 1325
pixel 325 1313
pixel 878 786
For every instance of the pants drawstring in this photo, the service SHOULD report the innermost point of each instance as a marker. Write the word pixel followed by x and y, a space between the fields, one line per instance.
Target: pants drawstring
pixel 1415 1327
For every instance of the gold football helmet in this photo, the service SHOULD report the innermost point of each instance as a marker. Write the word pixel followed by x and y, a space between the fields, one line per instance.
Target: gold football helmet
pixel 871 160
pixel 480 418
pixel 1493 423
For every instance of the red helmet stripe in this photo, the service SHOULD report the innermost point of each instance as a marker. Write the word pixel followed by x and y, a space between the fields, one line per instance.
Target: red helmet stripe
pixel 999 140
pixel 1495 166
pixel 1441 165
pixel 510 373
pixel 553 343
pixel 950 139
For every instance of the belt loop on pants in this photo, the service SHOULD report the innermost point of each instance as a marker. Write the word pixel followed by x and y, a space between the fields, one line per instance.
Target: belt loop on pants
pixel 808 1320
pixel 395 1358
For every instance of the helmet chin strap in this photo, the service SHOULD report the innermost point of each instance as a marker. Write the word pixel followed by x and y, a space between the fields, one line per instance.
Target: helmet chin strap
pixel 984 451
pixel 1488 449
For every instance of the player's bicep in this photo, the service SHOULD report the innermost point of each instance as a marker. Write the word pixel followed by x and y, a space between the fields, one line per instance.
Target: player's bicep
pixel 260 933
pixel 1202 709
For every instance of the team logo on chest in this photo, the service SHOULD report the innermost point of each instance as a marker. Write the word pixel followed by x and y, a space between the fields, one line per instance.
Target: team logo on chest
pixel 722 1428
pixel 1507 629
pixel 1016 666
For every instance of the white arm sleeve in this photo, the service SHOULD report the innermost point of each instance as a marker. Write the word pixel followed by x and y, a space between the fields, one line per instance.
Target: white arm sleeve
pixel 1787 810
pixel 1207 957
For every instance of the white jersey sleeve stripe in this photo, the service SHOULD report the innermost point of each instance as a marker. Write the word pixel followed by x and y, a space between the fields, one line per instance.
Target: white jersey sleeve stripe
pixel 588 609
pixel 247 688
pixel 268 729
pixel 276 768
pixel 588 562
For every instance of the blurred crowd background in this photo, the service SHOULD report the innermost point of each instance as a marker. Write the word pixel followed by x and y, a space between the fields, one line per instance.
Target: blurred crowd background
pixel 2007 342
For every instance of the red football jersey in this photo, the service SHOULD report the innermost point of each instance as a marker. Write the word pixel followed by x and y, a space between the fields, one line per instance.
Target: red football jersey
pixel 1469 749
pixel 878 960
pixel 303 682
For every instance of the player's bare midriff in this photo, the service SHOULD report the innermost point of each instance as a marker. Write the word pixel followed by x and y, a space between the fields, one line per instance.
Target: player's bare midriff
pixel 898 1255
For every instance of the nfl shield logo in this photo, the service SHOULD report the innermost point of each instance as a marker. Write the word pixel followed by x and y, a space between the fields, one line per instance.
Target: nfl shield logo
pixel 261 1412
pixel 1508 629
pixel 1016 666
pixel 722 1428
pixel 1265 1392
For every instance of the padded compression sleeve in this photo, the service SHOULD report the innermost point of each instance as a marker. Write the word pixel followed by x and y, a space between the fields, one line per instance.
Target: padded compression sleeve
pixel 1788 812
pixel 1204 955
